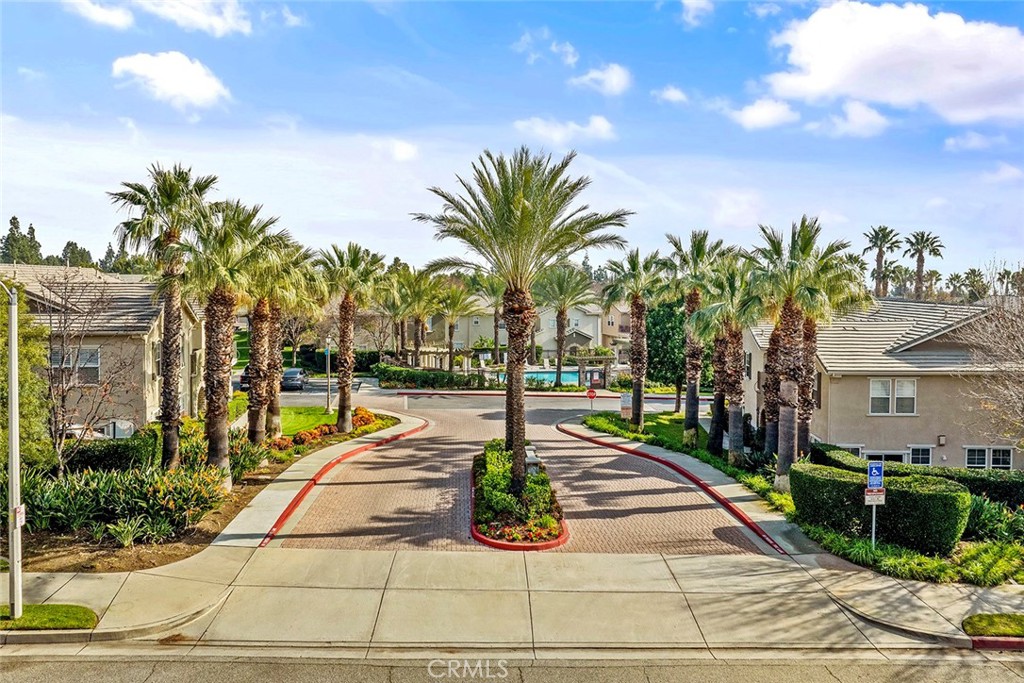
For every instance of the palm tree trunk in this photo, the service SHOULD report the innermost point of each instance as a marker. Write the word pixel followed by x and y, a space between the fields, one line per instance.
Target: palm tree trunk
pixel 732 384
pixel 787 433
pixel 879 275
pixel 919 277
pixel 791 369
pixel 170 368
pixel 497 344
pixel 219 323
pixel 417 341
pixel 770 390
pixel 451 347
pixel 275 367
pixel 638 358
pixel 520 315
pixel 346 361
pixel 694 363
pixel 805 411
pixel 403 333
pixel 533 345
pixel 680 380
pixel 259 332
pixel 561 320
pixel 718 417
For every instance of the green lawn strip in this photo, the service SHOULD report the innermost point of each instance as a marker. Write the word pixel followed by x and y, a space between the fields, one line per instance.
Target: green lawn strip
pixel 995 625
pixel 35 617
pixel 295 420
pixel 242 348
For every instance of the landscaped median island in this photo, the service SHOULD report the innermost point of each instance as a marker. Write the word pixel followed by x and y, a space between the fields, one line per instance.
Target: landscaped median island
pixel 536 518
pixel 117 509
pixel 939 524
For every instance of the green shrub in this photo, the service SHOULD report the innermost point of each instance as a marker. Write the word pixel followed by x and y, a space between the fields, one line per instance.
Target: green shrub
pixel 492 473
pixel 987 521
pixel 238 404
pixel 126 531
pixel 923 513
pixel 426 379
pixel 139 451
pixel 1004 486
pixel 245 457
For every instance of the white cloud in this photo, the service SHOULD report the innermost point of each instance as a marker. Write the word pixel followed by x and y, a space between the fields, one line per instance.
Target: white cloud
pixel 764 9
pixel 216 17
pixel 972 141
pixel 612 80
pixel 135 135
pixel 398 150
pixel 98 13
pixel 527 43
pixel 670 93
pixel 966 71
pixel 858 121
pixel 561 133
pixel 173 78
pixel 694 11
pixel 764 113
pixel 737 208
pixel 31 74
pixel 291 20
pixel 1004 173
pixel 566 51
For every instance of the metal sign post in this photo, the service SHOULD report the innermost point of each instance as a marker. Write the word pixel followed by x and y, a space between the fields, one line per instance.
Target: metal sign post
pixel 15 511
pixel 591 394
pixel 874 494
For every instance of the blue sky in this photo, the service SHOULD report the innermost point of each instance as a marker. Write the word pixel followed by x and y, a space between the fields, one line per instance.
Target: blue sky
pixel 337 116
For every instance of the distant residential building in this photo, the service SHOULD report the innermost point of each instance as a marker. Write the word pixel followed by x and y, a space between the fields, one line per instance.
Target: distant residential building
pixel 890 385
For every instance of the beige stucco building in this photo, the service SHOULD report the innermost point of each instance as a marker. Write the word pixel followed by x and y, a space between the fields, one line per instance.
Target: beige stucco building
pixel 108 329
pixel 892 385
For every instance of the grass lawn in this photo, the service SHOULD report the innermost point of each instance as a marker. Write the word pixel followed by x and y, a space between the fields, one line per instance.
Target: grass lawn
pixel 242 348
pixel 294 420
pixel 667 427
pixel 48 617
pixel 994 625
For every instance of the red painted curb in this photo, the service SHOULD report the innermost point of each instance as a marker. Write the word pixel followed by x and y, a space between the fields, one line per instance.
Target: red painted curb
pixel 315 479
pixel 534 394
pixel 997 643
pixel 715 495
pixel 562 538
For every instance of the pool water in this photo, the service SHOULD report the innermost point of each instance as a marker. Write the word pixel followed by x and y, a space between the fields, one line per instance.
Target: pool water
pixel 568 376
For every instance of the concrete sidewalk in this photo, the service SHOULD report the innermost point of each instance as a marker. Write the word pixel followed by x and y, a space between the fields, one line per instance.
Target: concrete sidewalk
pixel 237 597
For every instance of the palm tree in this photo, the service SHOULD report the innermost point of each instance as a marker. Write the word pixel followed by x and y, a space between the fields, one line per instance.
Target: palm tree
pixel 263 287
pixel 902 276
pixel 160 214
pixel 519 215
pixel 491 289
pixel 300 289
pixel 454 302
pixel 389 303
pixel 691 265
pixel 932 278
pixel 956 284
pixel 350 275
pixel 881 239
pixel 561 288
pixel 220 253
pixel 420 289
pixel 919 245
pixel 785 283
pixel 727 310
pixel 640 282
pixel 975 284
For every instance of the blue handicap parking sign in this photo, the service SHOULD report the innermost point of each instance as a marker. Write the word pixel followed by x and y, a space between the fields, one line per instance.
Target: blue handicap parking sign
pixel 874 475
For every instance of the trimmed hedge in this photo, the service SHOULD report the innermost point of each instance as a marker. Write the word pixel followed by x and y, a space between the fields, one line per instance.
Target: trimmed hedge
pixel 139 451
pixel 427 379
pixel 1005 486
pixel 927 514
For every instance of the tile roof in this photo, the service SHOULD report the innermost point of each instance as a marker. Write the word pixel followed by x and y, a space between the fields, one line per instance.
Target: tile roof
pixel 886 337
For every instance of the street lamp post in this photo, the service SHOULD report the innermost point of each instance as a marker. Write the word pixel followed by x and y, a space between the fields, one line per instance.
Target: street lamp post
pixel 15 511
pixel 327 354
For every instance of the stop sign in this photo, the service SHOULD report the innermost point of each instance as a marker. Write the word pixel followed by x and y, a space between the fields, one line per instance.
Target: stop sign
pixel 591 394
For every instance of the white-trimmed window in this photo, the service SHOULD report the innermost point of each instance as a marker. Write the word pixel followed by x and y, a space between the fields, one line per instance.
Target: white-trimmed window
pixel 456 325
pixel 476 320
pixel 886 456
pixel 1001 459
pixel 611 321
pixel 85 362
pixel 854 449
pixel 575 322
pixel 552 323
pixel 977 458
pixel 460 345
pixel 893 397
pixel 881 397
pixel 920 455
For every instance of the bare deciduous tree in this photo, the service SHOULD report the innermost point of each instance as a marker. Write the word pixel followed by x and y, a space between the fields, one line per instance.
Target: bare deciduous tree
pixel 92 376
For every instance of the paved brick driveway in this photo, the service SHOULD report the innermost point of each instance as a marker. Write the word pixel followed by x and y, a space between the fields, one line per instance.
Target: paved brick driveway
pixel 414 493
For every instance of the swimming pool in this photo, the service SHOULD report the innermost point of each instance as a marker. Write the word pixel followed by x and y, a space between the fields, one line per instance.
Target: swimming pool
pixel 568 376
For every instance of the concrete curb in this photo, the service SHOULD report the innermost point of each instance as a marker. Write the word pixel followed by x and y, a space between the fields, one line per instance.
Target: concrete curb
pixel 959 641
pixel 109 635
pixel 997 643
